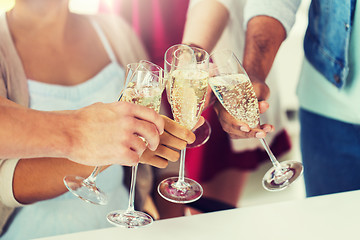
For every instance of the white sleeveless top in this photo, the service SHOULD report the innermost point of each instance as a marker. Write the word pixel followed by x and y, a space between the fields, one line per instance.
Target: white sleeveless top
pixel 67 213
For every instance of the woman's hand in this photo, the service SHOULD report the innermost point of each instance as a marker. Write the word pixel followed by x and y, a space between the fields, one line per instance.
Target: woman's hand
pixel 238 129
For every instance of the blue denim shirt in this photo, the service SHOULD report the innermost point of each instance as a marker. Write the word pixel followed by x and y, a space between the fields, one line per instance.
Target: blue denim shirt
pixel 327 38
pixel 326 42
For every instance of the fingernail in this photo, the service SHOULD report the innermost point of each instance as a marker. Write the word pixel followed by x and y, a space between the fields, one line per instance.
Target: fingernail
pixel 244 129
pixel 267 129
pixel 260 135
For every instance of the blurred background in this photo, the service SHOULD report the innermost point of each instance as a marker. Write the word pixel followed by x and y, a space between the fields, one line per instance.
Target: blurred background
pixel 286 69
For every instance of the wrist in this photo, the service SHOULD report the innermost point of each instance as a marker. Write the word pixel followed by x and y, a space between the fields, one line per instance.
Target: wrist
pixel 69 135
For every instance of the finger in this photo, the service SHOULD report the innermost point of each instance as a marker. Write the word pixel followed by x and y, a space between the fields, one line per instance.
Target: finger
pixel 178 131
pixel 254 133
pixel 153 160
pixel 170 140
pixel 267 128
pixel 199 123
pixel 137 144
pixel 234 127
pixel 167 153
pixel 129 152
pixel 146 130
pixel 129 158
pixel 144 113
pixel 260 134
pixel 263 106
pixel 228 122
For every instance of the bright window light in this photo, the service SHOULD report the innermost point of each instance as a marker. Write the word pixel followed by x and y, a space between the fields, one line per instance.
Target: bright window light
pixel 78 6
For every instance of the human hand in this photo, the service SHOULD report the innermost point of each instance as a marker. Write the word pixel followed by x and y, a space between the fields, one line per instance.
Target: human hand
pixel 109 133
pixel 174 139
pixel 238 129
pixel 261 89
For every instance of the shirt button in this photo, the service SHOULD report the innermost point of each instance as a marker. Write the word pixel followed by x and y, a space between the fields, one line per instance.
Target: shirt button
pixel 347 26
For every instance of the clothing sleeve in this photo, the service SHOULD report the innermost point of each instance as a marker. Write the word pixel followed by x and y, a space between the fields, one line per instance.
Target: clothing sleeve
pixel 282 10
pixel 7 168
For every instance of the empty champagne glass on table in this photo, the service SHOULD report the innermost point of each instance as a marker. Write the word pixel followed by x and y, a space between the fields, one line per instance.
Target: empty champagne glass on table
pixel 232 86
pixel 187 81
pixel 145 87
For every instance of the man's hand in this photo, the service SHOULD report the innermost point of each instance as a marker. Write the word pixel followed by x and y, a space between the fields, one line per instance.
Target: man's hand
pixel 109 133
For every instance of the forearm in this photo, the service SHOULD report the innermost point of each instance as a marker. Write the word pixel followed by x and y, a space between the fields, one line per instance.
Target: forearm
pixel 39 179
pixel 205 24
pixel 28 133
pixel 264 36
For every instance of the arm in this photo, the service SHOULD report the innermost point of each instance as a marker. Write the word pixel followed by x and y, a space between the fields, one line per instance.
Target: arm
pixel 76 134
pixel 264 36
pixel 98 134
pixel 23 132
pixel 30 172
pixel 267 25
pixel 205 23
pixel 204 26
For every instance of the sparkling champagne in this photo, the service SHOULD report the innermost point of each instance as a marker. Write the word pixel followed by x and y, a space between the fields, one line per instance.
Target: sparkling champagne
pixel 187 92
pixel 148 96
pixel 236 94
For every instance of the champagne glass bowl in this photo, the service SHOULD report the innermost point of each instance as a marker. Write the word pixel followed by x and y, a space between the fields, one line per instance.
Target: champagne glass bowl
pixel 232 87
pixel 186 69
pixel 145 87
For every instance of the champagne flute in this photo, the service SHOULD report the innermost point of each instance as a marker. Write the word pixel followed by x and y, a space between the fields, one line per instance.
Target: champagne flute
pixel 203 132
pixel 232 87
pixel 85 188
pixel 145 87
pixel 187 81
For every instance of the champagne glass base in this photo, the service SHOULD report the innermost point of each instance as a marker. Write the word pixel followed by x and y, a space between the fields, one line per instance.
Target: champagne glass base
pixel 202 135
pixel 276 181
pixel 180 192
pixel 85 190
pixel 129 219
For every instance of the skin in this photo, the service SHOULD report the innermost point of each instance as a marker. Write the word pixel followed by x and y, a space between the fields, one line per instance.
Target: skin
pixel 60 38
pixel 198 34
pixel 264 36
pixel 206 38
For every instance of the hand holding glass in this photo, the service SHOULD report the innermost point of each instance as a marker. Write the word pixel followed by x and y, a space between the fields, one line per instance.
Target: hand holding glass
pixel 145 87
pixel 187 81
pixel 232 86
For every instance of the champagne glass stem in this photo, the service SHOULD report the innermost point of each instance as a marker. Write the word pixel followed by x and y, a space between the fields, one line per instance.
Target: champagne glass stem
pixel 271 155
pixel 131 207
pixel 182 165
pixel 91 179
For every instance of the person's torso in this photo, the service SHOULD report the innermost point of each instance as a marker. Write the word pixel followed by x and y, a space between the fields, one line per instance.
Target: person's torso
pixel 321 96
pixel 67 213
pixel 326 41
